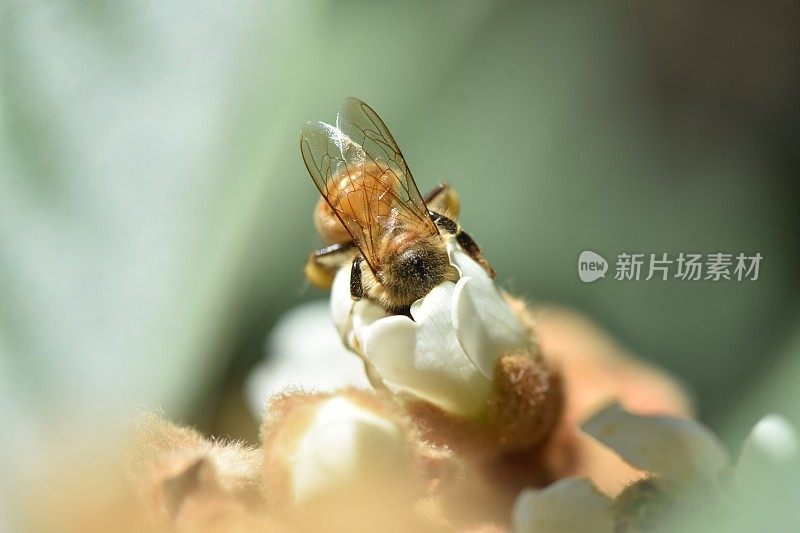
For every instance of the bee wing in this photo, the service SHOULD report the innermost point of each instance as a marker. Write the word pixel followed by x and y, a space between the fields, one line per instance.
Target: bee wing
pixel 362 124
pixel 360 146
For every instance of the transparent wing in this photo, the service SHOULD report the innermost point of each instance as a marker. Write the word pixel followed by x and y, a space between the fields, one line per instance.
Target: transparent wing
pixel 359 170
pixel 362 124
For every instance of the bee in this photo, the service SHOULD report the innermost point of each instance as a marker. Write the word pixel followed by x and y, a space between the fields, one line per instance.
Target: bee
pixel 372 215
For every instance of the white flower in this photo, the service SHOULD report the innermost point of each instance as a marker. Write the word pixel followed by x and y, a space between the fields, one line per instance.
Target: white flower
pixel 345 446
pixel 447 354
pixel 676 450
pixel 304 352
pixel 770 446
pixel 568 505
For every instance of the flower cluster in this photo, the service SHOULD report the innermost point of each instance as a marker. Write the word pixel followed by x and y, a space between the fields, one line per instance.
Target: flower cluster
pixel 466 414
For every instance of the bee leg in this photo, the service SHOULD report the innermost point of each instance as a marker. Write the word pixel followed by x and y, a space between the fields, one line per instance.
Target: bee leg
pixel 322 264
pixel 356 287
pixel 462 238
pixel 435 192
pixel 471 247
pixel 443 199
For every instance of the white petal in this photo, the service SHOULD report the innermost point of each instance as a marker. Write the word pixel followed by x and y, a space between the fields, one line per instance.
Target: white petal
pixel 771 444
pixel 571 505
pixel 365 314
pixel 675 449
pixel 349 316
pixel 304 351
pixel 423 358
pixel 344 444
pixel 341 302
pixel 485 325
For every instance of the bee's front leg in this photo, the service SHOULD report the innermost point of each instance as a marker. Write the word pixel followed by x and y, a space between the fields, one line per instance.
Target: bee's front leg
pixel 322 264
pixel 462 238
pixel 356 285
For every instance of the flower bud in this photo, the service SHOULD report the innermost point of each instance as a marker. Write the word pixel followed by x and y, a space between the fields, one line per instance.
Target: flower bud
pixel 342 458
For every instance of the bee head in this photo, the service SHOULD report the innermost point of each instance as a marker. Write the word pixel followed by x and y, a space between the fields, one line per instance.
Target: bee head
pixel 413 272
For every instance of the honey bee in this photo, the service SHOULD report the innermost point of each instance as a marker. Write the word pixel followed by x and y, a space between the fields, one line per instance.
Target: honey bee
pixel 373 216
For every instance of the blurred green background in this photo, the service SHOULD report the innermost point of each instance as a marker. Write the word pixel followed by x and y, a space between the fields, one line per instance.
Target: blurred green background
pixel 155 213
